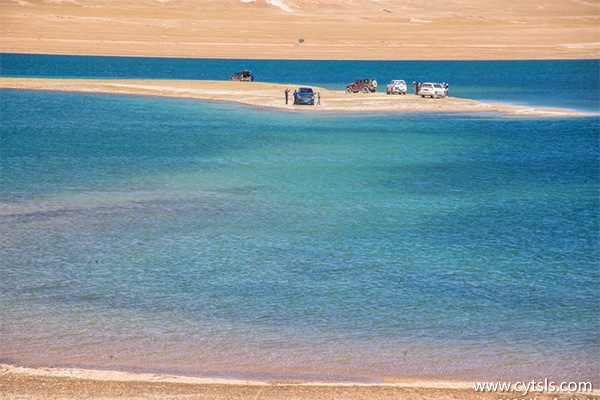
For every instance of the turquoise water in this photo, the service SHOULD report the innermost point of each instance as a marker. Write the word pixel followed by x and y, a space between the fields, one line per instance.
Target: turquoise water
pixel 208 239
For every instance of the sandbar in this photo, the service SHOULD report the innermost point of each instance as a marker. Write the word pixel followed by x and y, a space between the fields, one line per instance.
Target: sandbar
pixel 271 95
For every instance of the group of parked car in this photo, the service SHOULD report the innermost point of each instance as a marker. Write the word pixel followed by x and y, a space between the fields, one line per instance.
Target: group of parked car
pixel 305 95
pixel 398 86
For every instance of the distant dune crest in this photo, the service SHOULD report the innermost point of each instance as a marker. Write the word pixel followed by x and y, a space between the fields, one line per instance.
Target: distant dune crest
pixel 277 3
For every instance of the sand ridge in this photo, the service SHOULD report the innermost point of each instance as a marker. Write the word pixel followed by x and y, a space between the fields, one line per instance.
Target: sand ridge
pixel 272 95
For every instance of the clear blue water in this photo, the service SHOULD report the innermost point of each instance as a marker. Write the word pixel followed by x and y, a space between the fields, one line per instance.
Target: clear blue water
pixel 210 239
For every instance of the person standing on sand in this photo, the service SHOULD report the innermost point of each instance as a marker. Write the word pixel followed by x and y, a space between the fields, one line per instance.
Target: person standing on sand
pixel 287 95
pixel 319 98
pixel 412 88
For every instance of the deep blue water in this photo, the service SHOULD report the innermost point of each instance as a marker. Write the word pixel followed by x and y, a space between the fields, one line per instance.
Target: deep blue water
pixel 211 239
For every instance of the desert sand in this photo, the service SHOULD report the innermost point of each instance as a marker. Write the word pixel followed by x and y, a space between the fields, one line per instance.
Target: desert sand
pixel 78 384
pixel 270 95
pixel 305 29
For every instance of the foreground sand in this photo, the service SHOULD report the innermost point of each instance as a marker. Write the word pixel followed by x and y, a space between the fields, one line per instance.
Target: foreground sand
pixel 77 384
pixel 305 29
pixel 272 96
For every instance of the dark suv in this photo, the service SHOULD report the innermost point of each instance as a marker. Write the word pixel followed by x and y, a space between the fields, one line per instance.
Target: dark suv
pixel 368 85
pixel 304 95
pixel 245 76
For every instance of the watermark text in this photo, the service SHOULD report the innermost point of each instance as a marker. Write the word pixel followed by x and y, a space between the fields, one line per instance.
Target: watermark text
pixel 533 386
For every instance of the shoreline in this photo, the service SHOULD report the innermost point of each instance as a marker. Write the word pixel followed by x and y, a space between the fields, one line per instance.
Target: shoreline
pixel 131 376
pixel 75 383
pixel 271 96
pixel 259 57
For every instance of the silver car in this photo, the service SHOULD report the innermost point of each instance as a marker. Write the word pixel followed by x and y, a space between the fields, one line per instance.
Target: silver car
pixel 433 90
pixel 396 86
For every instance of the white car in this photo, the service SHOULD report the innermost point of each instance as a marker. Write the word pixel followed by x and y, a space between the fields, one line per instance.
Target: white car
pixel 396 86
pixel 433 90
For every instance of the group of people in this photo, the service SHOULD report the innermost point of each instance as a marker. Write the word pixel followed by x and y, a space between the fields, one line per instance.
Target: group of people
pixel 417 86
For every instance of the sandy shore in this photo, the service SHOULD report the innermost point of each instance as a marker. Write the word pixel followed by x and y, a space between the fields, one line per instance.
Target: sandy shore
pixel 61 383
pixel 305 29
pixel 271 95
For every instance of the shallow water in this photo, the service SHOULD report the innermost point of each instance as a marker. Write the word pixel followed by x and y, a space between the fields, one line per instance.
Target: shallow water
pixel 210 239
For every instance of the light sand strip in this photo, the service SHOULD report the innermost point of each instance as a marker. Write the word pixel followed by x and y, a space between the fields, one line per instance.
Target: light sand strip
pixel 270 95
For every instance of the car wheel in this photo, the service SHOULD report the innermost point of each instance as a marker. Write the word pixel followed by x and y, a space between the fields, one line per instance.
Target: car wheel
pixel 366 90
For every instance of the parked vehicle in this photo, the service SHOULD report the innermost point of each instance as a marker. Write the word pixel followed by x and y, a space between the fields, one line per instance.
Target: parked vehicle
pixel 304 95
pixel 396 86
pixel 368 85
pixel 244 75
pixel 442 87
pixel 433 90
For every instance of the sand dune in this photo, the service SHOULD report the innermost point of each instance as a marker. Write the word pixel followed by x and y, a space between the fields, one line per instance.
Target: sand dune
pixel 305 29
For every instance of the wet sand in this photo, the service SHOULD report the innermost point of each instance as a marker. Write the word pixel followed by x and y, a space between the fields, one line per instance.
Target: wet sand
pixel 78 384
pixel 270 95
